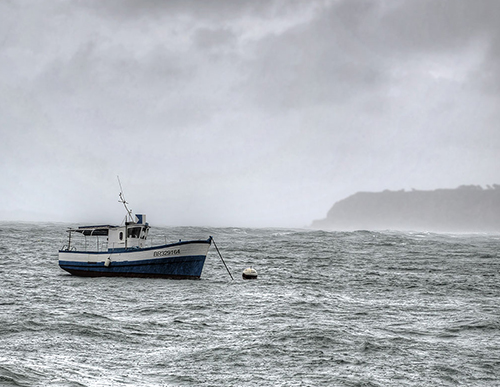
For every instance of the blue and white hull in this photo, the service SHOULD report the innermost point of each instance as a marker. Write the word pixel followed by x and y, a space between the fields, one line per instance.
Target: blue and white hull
pixel 181 260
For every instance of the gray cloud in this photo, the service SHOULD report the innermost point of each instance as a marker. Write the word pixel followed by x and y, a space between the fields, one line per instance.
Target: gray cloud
pixel 214 11
pixel 365 44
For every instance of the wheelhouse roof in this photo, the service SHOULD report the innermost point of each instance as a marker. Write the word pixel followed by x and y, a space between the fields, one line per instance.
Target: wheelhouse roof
pixel 101 230
pixel 93 230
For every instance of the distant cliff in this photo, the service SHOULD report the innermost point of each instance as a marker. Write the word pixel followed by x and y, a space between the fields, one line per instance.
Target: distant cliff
pixel 468 208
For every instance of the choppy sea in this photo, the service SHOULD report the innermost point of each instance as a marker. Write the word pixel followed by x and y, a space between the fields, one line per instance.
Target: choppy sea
pixel 328 309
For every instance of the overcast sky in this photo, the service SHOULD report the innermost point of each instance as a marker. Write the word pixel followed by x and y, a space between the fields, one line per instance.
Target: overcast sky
pixel 241 113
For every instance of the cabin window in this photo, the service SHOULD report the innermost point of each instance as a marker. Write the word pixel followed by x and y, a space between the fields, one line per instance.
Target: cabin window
pixel 121 236
pixel 134 232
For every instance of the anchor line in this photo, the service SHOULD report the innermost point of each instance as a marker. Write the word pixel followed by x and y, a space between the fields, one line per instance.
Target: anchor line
pixel 222 259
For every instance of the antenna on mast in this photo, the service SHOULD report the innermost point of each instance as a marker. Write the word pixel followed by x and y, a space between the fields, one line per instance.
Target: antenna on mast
pixel 122 200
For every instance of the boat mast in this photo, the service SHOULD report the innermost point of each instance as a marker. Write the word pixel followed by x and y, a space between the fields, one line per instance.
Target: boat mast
pixel 122 200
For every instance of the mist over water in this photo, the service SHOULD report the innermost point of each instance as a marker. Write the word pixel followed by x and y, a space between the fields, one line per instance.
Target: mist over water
pixel 329 308
pixel 464 209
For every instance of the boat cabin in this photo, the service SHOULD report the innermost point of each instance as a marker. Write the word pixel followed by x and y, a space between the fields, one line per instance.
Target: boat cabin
pixel 131 235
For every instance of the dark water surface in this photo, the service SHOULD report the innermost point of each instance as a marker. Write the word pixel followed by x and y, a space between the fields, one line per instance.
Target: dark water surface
pixel 329 309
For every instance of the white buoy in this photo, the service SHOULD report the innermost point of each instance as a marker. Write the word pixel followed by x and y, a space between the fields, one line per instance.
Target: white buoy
pixel 107 262
pixel 249 273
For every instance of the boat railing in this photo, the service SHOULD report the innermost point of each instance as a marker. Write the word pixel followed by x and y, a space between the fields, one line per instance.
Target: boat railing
pixel 82 244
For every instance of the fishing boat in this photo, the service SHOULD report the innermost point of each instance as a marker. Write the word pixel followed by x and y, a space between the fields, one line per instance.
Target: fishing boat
pixel 124 252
